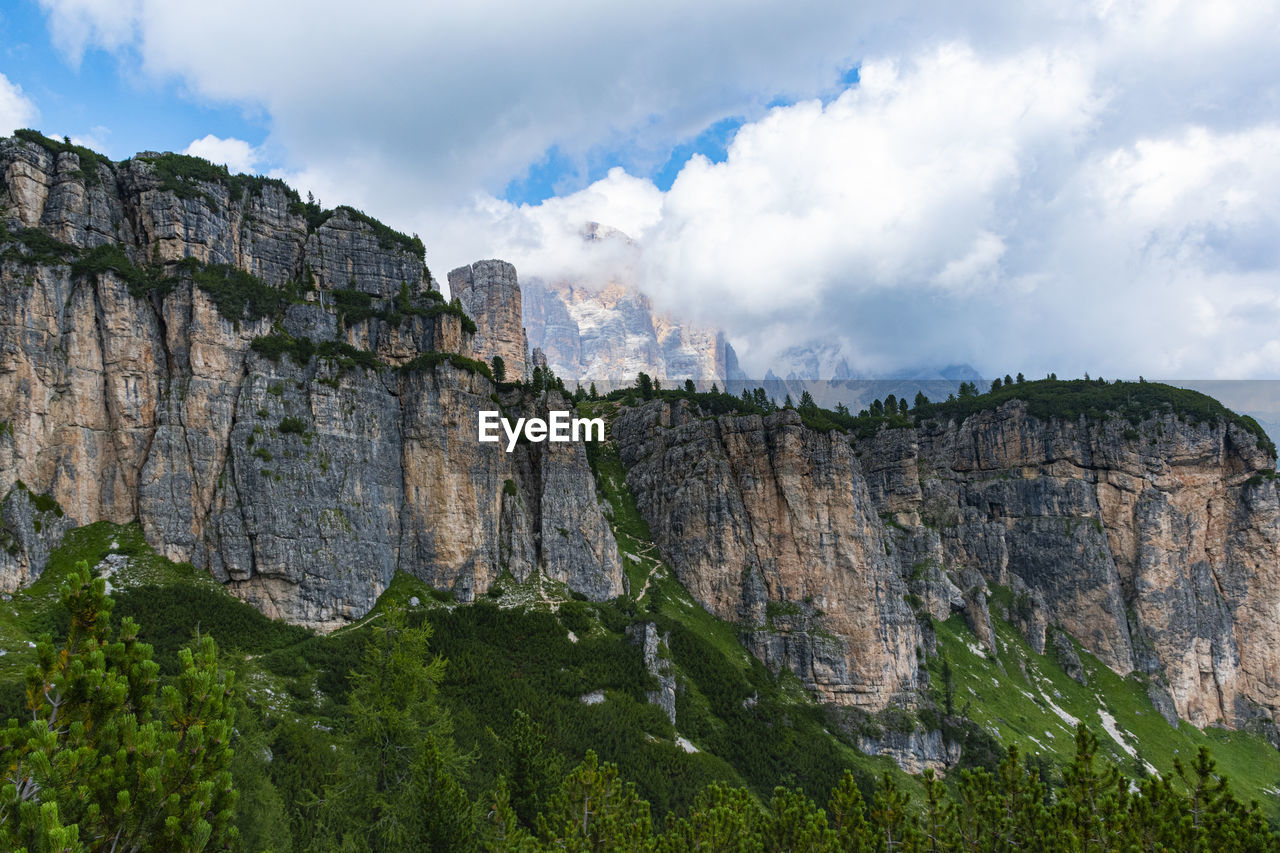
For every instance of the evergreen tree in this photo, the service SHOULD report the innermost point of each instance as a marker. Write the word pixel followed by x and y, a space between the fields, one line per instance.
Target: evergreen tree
pixel 1008 380
pixel 806 400
pixel 722 820
pixel 795 825
pixel 921 399
pixel 500 827
pixel 107 762
pixel 689 387
pixel 499 369
pixel 948 688
pixel 1021 379
pixel 715 389
pixel 592 393
pixel 532 768
pixel 645 383
pixel 848 816
pixel 595 810
pixel 939 816
pixel 995 384
pixel 892 819
pixel 399 790
pixel 902 407
pixel 1092 797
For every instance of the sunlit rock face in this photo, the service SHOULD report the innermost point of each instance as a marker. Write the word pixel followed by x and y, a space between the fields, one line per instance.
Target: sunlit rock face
pixel 302 482
pixel 1157 546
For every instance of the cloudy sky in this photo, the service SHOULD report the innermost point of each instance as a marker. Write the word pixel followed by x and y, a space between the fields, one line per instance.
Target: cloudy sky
pixel 1025 186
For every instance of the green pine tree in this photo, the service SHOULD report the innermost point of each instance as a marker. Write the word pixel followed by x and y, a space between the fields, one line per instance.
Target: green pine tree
pixel 595 810
pixel 109 760
pixel 398 790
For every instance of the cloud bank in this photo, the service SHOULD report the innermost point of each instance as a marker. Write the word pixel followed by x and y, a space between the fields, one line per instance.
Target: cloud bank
pixel 1093 187
pixel 16 109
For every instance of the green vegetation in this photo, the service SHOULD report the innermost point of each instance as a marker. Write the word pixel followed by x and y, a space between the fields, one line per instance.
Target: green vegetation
pixel 356 306
pixel 1037 712
pixel 302 349
pixel 182 175
pixel 347 357
pixel 278 344
pixel 437 726
pixel 237 294
pixel 453 308
pixel 44 503
pixel 34 247
pixel 90 161
pixel 429 360
pixel 106 758
pixel 293 426
pixel 1093 399
pixel 1096 399
pixel 388 238
pixel 142 281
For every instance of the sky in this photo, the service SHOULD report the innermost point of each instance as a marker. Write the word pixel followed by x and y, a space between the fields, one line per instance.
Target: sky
pixel 1025 186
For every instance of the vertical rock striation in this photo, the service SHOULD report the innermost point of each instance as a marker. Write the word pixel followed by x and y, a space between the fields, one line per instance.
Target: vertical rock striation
pixel 490 294
pixel 1156 546
pixel 274 393
pixel 770 525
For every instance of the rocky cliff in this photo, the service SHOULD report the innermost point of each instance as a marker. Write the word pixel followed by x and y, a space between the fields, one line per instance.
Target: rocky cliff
pixel 275 392
pixel 490 293
pixel 1156 545
pixel 770 525
pixel 279 394
pixel 611 332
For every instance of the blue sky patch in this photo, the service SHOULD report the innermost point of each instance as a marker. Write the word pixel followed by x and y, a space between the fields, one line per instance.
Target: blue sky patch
pixel 115 112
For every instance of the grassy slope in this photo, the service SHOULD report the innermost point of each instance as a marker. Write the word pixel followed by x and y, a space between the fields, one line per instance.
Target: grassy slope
pixel 506 652
pixel 1021 710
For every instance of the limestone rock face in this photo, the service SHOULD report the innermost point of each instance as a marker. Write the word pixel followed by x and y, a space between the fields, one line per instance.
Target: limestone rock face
pixel 29 530
pixel 490 294
pixel 613 333
pixel 1157 548
pixel 770 525
pixel 658 665
pixel 302 486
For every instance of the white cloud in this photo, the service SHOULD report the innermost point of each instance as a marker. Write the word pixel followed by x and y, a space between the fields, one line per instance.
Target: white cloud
pixel 77 25
pixel 16 109
pixel 95 139
pixel 954 207
pixel 236 154
pixel 1022 186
